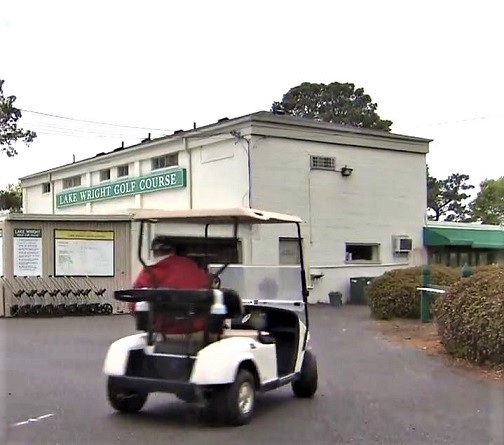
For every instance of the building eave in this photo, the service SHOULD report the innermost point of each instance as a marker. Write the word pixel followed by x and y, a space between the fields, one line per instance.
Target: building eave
pixel 66 217
pixel 225 125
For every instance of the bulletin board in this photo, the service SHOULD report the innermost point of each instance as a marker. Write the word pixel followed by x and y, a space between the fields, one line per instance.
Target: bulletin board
pixel 84 253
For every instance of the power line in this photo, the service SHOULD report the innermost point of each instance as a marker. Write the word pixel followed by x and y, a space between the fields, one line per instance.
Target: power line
pixel 82 136
pixel 93 122
pixel 459 121
pixel 44 127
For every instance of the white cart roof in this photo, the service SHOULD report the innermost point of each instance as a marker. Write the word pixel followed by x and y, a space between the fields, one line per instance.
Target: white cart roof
pixel 215 216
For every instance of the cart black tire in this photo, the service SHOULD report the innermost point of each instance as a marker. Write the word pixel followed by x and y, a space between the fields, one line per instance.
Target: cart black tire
pixel 125 400
pixel 306 386
pixel 224 404
pixel 107 309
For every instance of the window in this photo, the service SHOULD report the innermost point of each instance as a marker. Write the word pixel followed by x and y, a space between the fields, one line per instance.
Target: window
pixel 458 256
pixel 164 161
pixel 289 252
pixel 322 163
pixel 74 181
pixel 123 170
pixel 46 187
pixel 105 175
pixel 357 252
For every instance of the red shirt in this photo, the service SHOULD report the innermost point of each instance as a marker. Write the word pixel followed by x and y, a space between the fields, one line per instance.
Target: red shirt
pixel 174 272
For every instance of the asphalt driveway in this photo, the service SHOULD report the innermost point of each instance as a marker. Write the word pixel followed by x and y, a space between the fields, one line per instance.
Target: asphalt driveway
pixel 371 392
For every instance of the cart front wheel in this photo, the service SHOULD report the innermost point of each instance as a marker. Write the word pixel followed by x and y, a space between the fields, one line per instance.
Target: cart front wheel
pixel 125 400
pixel 306 385
pixel 235 403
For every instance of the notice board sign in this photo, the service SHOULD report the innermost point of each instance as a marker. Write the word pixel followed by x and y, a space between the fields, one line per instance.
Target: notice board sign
pixel 27 252
pixel 84 253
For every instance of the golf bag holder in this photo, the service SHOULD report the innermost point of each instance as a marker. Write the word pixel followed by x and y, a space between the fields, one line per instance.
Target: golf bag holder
pixel 214 305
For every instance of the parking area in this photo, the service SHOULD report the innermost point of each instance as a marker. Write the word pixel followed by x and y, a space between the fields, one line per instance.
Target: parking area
pixel 370 392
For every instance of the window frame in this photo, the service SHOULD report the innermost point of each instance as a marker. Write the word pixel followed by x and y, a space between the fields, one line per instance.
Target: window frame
pixel 295 242
pixel 375 253
pixel 46 188
pixel 166 162
pixel 72 179
pixel 124 166
pixel 108 174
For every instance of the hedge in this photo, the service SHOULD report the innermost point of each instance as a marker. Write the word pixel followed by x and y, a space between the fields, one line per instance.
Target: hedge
pixel 394 294
pixel 470 317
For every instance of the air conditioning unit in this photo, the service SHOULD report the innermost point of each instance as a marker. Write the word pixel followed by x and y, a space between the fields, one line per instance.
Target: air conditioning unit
pixel 402 244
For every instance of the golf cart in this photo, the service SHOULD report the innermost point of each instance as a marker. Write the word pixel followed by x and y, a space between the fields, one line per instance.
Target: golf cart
pixel 255 338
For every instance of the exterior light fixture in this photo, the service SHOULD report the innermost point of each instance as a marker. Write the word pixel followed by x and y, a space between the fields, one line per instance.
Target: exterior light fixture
pixel 346 171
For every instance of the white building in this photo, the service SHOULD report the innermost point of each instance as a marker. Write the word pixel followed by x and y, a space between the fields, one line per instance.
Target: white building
pixel 360 192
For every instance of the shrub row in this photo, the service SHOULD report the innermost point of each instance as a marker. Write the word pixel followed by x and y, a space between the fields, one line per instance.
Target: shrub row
pixel 394 294
pixel 470 317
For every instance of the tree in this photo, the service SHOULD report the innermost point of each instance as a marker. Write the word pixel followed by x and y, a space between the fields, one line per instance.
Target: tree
pixel 9 131
pixel 11 198
pixel 445 197
pixel 336 102
pixel 488 206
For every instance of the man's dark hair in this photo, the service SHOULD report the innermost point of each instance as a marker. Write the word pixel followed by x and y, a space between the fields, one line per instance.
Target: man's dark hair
pixel 162 244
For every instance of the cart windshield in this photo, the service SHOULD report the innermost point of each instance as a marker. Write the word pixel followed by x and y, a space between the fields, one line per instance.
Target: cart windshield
pixel 278 285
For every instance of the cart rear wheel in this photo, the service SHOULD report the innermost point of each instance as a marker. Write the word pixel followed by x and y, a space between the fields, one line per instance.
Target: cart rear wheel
pixel 125 400
pixel 306 385
pixel 235 403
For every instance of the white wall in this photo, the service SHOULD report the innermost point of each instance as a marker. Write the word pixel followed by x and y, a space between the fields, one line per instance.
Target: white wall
pixel 217 170
pixel 384 196
pixel 220 175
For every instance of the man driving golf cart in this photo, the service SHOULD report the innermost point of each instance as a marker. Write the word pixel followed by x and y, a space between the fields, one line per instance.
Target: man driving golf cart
pixel 173 271
pixel 256 326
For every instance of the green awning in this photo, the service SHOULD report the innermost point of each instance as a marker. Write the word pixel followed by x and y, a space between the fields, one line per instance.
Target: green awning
pixel 453 236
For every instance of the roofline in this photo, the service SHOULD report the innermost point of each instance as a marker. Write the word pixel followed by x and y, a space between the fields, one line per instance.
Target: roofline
pixel 258 117
pixel 462 226
pixel 267 117
pixel 65 217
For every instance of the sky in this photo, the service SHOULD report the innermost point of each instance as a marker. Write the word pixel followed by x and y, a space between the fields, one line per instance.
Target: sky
pixel 433 67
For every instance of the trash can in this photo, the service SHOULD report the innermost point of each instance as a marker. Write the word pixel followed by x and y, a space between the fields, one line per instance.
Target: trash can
pixel 335 298
pixel 358 288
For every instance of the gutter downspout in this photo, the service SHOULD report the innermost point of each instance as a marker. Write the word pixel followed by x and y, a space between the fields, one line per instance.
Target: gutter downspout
pixel 186 149
pixel 51 182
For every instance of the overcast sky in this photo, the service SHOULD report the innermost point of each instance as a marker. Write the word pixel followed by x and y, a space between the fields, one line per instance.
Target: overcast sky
pixel 434 68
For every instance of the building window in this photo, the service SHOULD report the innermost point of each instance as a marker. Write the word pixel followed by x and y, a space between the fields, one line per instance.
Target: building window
pixel 289 252
pixel 46 187
pixel 105 175
pixel 74 181
pixel 357 252
pixel 164 161
pixel 322 163
pixel 458 256
pixel 122 170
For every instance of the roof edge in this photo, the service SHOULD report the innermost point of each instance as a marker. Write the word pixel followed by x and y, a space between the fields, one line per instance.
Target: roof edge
pixel 259 117
pixel 67 217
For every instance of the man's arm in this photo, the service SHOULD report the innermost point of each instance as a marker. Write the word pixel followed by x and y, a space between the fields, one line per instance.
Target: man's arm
pixel 142 280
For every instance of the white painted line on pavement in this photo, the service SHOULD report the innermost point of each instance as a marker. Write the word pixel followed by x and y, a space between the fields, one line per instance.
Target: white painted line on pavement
pixel 32 420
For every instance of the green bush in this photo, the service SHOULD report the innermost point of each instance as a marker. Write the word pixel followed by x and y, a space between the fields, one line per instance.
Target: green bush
pixel 485 268
pixel 470 317
pixel 394 294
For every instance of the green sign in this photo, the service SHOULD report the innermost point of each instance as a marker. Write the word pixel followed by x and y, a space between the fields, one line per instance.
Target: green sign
pixel 27 233
pixel 143 184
